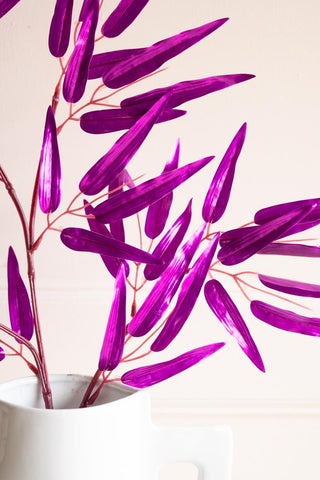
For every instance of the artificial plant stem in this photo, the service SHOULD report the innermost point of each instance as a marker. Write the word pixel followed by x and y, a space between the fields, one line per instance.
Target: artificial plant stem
pixel 45 393
pixel 91 386
pixel 28 238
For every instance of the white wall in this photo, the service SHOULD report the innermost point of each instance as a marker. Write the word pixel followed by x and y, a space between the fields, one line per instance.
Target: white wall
pixel 275 416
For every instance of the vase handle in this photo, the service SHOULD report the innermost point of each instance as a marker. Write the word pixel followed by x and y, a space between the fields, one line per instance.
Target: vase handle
pixel 208 448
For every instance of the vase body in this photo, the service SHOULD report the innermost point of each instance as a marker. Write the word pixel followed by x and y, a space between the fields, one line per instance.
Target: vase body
pixel 113 440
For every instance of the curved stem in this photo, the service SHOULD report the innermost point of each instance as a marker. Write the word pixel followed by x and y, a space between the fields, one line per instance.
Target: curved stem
pixel 90 388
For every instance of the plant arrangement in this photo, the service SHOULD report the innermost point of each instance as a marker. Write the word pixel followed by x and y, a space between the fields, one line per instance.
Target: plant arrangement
pixel 175 264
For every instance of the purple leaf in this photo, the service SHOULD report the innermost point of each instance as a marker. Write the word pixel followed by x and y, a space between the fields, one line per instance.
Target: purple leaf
pixel 168 245
pixel 116 226
pixel 165 288
pixel 290 286
pixel 113 343
pixel 219 191
pixel 77 71
pixel 188 295
pixel 270 213
pixel 101 62
pixel 20 312
pixel 86 241
pixel 132 201
pixel 256 238
pixel 291 249
pixel 158 212
pixel 50 170
pixel 122 16
pixel 115 160
pixel 143 377
pixel 6 5
pixel 141 64
pixel 2 354
pixel 115 119
pixel 286 319
pixel 85 10
pixel 111 263
pixel 185 91
pixel 311 220
pixel 227 313
pixel 60 27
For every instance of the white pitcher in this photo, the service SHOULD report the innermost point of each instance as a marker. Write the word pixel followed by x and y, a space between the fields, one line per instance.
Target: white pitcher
pixel 113 440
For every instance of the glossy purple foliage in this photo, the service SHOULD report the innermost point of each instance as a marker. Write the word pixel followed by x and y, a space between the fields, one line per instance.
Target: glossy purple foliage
pixel 59 33
pixel 291 287
pixel 116 159
pixel 158 211
pixel 112 263
pixel 286 319
pixel 291 249
pixel 116 119
pixel 188 295
pixel 86 241
pixel 122 16
pixel 151 58
pixel 113 343
pixel 6 5
pixel 132 201
pixel 102 62
pixel 2 354
pixel 21 317
pixel 168 245
pixel 158 300
pixel 77 71
pixel 228 314
pixel 50 169
pixel 143 377
pixel 256 238
pixel 185 91
pixel 219 191
pixel 115 187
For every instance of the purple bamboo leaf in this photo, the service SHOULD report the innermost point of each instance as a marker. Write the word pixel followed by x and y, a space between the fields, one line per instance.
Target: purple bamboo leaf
pixel 132 201
pixel 141 64
pixel 158 212
pixel 50 170
pixel 20 312
pixel 116 119
pixel 6 5
pixel 254 239
pixel 291 249
pixel 291 287
pixel 220 188
pixel 236 234
pixel 165 288
pixel 86 241
pixel 77 71
pixel 85 10
pixel 286 319
pixel 188 295
pixel 112 263
pixel 270 213
pixel 116 226
pixel 113 343
pixel 228 314
pixel 310 221
pixel 2 354
pixel 122 16
pixel 143 377
pixel 115 160
pixel 60 27
pixel 101 62
pixel 168 245
pixel 185 91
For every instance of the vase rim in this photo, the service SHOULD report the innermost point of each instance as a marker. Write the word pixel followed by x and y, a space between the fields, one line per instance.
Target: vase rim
pixel 70 378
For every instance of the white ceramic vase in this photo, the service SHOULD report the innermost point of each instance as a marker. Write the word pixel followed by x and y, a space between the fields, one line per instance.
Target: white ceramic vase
pixel 114 440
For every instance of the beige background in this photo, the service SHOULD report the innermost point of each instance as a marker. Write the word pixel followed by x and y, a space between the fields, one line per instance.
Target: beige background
pixel 275 416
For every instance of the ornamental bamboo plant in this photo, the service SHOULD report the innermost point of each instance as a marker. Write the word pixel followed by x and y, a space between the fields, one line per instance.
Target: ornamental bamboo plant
pixel 181 263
